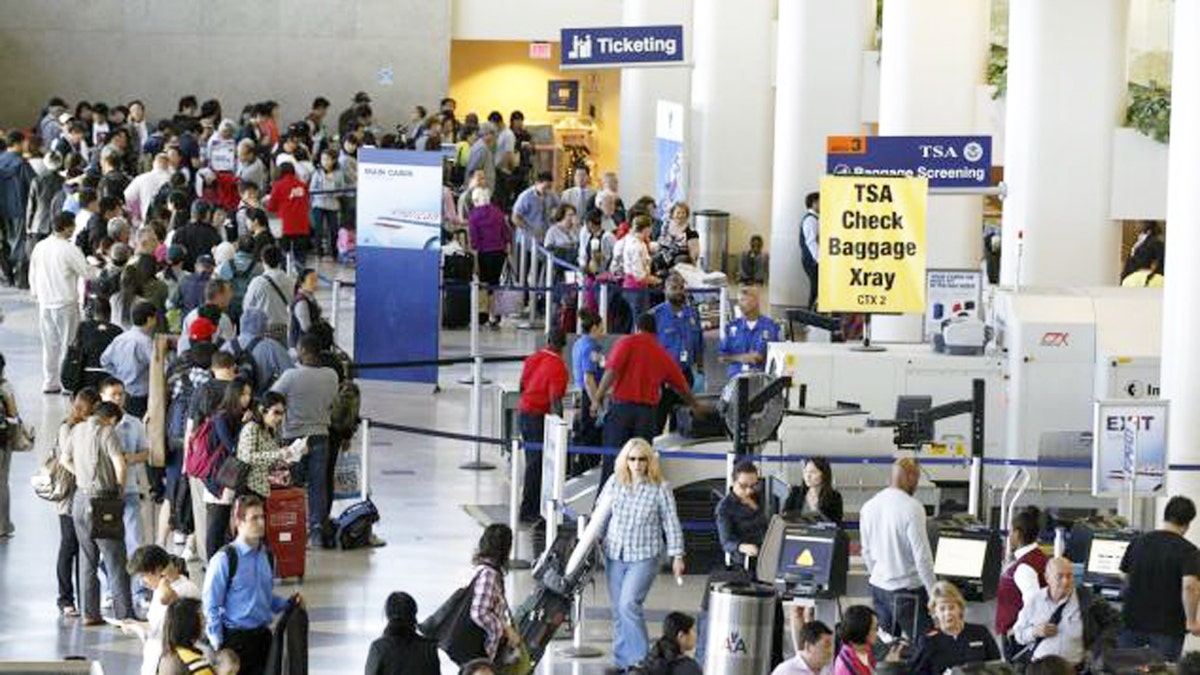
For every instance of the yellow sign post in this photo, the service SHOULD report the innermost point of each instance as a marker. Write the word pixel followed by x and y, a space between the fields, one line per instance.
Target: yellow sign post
pixel 872 245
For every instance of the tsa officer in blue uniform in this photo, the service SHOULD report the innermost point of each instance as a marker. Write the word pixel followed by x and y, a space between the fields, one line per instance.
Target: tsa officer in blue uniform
pixel 680 333
pixel 744 344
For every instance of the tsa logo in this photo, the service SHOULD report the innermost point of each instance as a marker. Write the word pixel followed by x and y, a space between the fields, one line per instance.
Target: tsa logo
pixel 734 644
pixel 973 152
pixel 581 48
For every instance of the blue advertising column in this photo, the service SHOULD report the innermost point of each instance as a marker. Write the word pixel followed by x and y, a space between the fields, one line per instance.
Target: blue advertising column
pixel 670 162
pixel 399 254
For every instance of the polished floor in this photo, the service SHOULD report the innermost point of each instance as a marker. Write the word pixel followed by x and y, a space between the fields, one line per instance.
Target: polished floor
pixel 417 484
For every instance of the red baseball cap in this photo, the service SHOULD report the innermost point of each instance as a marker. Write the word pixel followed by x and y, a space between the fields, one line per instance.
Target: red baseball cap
pixel 201 330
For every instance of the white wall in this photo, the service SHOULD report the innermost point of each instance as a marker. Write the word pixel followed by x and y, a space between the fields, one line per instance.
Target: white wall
pixel 528 19
pixel 237 51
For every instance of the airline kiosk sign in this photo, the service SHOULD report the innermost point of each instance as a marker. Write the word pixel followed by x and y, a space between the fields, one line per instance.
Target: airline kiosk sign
pixel 621 47
pixel 947 161
pixel 872 255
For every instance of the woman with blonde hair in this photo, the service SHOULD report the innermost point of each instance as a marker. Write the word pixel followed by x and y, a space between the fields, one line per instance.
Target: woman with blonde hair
pixel 954 642
pixel 638 507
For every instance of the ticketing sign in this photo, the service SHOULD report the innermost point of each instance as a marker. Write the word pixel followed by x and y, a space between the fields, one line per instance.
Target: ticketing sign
pixel 947 161
pixel 872 245
pixel 621 46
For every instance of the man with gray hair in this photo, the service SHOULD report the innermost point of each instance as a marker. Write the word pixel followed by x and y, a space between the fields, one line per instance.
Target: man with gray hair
pixel 119 230
pixel 1055 621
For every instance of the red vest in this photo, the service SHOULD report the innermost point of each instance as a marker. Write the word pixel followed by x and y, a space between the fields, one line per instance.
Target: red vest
pixel 1008 594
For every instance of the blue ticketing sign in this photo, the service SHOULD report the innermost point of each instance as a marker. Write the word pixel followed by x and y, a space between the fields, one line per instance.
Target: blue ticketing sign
pixel 947 161
pixel 621 46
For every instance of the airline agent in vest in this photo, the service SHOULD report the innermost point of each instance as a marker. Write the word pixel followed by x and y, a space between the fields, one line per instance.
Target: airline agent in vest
pixel 1023 577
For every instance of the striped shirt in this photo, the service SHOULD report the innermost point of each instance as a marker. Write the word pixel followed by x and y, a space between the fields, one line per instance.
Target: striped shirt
pixel 642 515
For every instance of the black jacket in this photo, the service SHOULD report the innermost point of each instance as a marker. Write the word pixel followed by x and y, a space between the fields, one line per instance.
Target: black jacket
pixel 402 653
pixel 289 643
pixel 39 214
pixel 830 504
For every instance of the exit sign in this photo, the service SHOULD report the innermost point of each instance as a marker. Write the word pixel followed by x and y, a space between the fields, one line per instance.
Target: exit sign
pixel 540 50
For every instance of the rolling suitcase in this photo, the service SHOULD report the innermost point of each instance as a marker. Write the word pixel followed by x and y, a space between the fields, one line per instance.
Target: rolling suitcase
pixel 287 531
pixel 456 308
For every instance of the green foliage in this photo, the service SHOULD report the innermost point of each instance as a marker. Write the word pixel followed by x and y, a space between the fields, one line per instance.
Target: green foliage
pixel 997 70
pixel 1150 110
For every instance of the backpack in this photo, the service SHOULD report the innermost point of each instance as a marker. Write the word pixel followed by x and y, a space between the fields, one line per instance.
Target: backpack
pixel 231 557
pixel 343 418
pixel 353 528
pixel 73 368
pixel 245 364
pixel 204 453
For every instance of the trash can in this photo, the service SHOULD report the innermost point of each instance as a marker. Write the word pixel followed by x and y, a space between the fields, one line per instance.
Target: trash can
pixel 741 623
pixel 713 227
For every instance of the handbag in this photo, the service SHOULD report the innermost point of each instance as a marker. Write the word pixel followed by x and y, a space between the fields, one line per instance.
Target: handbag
pixel 233 473
pixel 451 626
pixel 507 301
pixel 107 504
pixel 20 437
pixel 279 475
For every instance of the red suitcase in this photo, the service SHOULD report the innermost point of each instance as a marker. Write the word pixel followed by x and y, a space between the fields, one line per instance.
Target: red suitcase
pixel 287 531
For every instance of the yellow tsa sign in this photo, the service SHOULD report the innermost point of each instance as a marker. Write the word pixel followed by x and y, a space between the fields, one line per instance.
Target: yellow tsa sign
pixel 872 245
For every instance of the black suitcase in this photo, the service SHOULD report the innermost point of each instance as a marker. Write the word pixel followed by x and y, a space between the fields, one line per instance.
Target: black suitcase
pixel 457 268
pixel 539 618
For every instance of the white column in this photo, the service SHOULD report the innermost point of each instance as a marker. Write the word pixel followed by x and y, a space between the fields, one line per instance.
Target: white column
pixel 732 105
pixel 642 87
pixel 820 47
pixel 1066 96
pixel 1181 321
pixel 933 60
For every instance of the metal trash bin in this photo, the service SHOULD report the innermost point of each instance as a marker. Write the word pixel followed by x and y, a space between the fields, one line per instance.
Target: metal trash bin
pixel 713 227
pixel 741 623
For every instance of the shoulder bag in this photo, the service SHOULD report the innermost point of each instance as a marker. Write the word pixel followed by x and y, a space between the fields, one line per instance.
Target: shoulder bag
pixel 451 626
pixel 107 505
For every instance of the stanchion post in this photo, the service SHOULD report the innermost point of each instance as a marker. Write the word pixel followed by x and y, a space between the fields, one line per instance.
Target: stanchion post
pixel 604 306
pixel 723 304
pixel 523 260
pixel 578 650
pixel 579 303
pixel 514 504
pixel 475 295
pixel 334 303
pixel 365 440
pixel 477 463
pixel 549 289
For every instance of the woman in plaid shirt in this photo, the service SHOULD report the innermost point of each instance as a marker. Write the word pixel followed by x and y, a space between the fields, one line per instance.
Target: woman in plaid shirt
pixel 641 515
pixel 489 609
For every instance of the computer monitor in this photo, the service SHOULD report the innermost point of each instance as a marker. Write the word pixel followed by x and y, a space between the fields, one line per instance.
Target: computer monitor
pixel 805 559
pixel 960 557
pixel 1104 560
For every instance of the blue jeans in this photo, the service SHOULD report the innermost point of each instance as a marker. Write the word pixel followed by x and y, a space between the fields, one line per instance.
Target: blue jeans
pixel 1170 647
pixel 314 467
pixel 132 515
pixel 910 606
pixel 325 230
pixel 628 585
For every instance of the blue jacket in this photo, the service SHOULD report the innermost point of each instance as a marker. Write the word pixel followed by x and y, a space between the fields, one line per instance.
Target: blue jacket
pixel 681 335
pixel 15 178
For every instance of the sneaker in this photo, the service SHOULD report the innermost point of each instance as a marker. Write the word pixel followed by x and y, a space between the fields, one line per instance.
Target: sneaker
pixel 107 602
pixel 69 612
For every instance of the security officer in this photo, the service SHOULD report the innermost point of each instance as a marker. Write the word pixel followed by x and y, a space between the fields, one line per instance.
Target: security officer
pixel 679 333
pixel 744 344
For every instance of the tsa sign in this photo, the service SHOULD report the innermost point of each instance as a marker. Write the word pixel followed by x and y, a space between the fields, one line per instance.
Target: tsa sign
pixel 947 161
pixel 1129 439
pixel 621 46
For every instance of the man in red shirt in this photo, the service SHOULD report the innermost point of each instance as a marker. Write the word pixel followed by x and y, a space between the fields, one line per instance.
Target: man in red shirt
pixel 543 385
pixel 635 372
pixel 289 198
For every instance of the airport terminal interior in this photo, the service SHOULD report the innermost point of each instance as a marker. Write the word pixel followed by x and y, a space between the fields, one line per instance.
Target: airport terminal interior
pixel 621 336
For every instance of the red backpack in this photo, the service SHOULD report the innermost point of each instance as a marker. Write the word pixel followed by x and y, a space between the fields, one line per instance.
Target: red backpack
pixel 203 451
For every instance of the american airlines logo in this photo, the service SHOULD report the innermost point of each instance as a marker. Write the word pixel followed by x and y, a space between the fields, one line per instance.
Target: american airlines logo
pixel 1056 340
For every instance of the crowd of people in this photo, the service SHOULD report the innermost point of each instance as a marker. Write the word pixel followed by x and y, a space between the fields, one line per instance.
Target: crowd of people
pixel 150 245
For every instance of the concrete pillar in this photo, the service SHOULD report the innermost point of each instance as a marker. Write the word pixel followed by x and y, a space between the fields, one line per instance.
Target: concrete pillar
pixel 642 87
pixel 1181 321
pixel 732 105
pixel 820 47
pixel 1059 141
pixel 933 60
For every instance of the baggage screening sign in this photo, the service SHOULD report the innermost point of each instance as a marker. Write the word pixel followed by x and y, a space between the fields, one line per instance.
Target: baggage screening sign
pixel 947 161
pixel 621 47
pixel 872 245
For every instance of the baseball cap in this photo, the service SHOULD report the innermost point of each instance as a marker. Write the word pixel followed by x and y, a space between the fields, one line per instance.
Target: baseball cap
pixel 64 118
pixel 176 254
pixel 362 97
pixel 201 330
pixel 205 260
